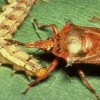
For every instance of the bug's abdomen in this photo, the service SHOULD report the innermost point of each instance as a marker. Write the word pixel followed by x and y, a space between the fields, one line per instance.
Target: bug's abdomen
pixel 80 41
pixel 91 44
pixel 84 48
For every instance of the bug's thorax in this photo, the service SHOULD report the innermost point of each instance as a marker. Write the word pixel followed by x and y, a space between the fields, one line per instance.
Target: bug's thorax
pixel 77 41
pixel 68 42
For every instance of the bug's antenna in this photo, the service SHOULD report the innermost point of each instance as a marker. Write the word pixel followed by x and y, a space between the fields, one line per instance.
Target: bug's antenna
pixel 35 25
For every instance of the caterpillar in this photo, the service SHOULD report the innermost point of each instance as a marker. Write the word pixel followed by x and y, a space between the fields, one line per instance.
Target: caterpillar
pixel 11 19
pixel 13 16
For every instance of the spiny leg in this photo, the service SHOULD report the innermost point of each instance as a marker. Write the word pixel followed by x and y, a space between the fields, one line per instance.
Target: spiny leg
pixel 52 26
pixel 84 78
pixel 51 68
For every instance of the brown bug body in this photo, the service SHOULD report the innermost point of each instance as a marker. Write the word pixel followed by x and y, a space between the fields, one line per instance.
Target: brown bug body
pixel 73 43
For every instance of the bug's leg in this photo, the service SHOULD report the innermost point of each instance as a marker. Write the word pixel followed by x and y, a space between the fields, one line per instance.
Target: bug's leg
pixel 89 86
pixel 49 70
pixel 52 26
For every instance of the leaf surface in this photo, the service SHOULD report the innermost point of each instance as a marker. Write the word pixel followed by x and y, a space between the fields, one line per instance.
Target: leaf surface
pixel 57 86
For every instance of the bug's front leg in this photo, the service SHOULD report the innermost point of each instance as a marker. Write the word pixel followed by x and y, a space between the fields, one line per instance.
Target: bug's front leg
pixel 51 68
pixel 89 86
pixel 52 26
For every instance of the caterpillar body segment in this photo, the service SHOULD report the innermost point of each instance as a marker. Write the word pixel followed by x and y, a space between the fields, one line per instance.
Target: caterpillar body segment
pixel 13 16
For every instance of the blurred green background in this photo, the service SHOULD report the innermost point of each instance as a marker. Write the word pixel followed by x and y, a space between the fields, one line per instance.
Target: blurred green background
pixel 58 85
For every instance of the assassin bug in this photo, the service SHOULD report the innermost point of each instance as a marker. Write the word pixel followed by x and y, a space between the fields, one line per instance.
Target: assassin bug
pixel 74 44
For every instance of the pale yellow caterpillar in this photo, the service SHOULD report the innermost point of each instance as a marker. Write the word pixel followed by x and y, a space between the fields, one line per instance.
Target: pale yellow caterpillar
pixel 12 17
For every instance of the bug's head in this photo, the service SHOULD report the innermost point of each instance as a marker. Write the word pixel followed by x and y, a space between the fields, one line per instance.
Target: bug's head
pixel 42 44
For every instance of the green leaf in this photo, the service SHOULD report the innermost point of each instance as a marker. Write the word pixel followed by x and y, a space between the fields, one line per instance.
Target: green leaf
pixel 57 86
